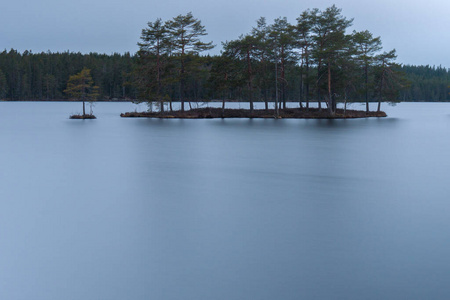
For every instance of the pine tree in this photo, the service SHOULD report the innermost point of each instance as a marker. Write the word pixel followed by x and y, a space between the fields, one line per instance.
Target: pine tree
pixel 388 80
pixel 244 50
pixel 366 47
pixel 304 42
pixel 184 33
pixel 81 87
pixel 331 41
pixel 261 34
pixel 283 41
pixel 153 50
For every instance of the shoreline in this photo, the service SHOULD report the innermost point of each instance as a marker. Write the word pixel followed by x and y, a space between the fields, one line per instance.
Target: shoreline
pixel 290 113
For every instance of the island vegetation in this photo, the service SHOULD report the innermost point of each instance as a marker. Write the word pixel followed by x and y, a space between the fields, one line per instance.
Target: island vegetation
pixel 317 59
pixel 331 65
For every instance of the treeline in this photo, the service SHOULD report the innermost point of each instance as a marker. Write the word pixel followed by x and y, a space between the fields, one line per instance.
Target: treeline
pixel 426 83
pixel 316 58
pixel 44 76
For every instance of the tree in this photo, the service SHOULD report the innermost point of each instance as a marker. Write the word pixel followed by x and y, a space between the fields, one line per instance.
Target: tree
pixel 366 47
pixel 281 33
pixel 305 43
pixel 388 81
pixel 261 34
pixel 223 77
pixel 184 33
pixel 331 41
pixel 244 49
pixel 152 55
pixel 81 87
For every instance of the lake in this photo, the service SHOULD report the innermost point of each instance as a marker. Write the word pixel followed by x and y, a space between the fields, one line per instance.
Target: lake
pixel 268 209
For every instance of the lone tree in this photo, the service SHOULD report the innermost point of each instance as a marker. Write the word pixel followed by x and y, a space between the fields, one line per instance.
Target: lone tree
pixel 81 87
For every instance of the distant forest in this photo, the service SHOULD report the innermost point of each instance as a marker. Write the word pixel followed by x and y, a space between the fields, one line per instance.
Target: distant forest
pixel 245 69
pixel 44 76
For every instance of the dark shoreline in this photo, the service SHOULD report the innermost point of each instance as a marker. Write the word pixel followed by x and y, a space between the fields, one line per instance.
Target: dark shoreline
pixel 82 117
pixel 290 113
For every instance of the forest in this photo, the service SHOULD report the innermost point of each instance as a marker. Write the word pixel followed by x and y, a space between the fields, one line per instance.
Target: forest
pixel 317 58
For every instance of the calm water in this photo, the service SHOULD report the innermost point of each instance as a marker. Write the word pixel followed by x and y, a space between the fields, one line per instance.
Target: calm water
pixel 223 209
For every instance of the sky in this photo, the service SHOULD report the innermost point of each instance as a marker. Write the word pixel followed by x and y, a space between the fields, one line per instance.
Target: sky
pixel 419 30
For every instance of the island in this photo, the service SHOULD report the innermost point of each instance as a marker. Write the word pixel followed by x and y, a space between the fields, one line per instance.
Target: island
pixel 288 113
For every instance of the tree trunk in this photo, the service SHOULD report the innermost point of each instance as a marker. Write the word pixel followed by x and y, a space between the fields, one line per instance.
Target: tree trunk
pixel 345 104
pixel 266 102
pixel 158 67
pixel 333 102
pixel 250 97
pixel 250 78
pixel 276 88
pixel 307 85
pixel 366 79
pixel 301 84
pixel 182 84
pixel 318 84
pixel 283 81
pixel 223 107
pixel 331 99
pixel 381 92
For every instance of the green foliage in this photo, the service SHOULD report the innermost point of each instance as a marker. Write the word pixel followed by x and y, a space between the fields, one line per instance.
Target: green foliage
pixel 184 32
pixel 168 60
pixel 81 86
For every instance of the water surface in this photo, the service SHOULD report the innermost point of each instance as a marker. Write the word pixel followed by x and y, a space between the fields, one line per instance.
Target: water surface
pixel 223 209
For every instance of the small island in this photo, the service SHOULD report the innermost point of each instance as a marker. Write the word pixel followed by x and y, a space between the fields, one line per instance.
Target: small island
pixel 81 87
pixel 315 60
pixel 83 116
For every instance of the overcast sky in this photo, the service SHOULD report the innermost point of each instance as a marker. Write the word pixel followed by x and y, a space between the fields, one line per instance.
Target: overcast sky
pixel 418 30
